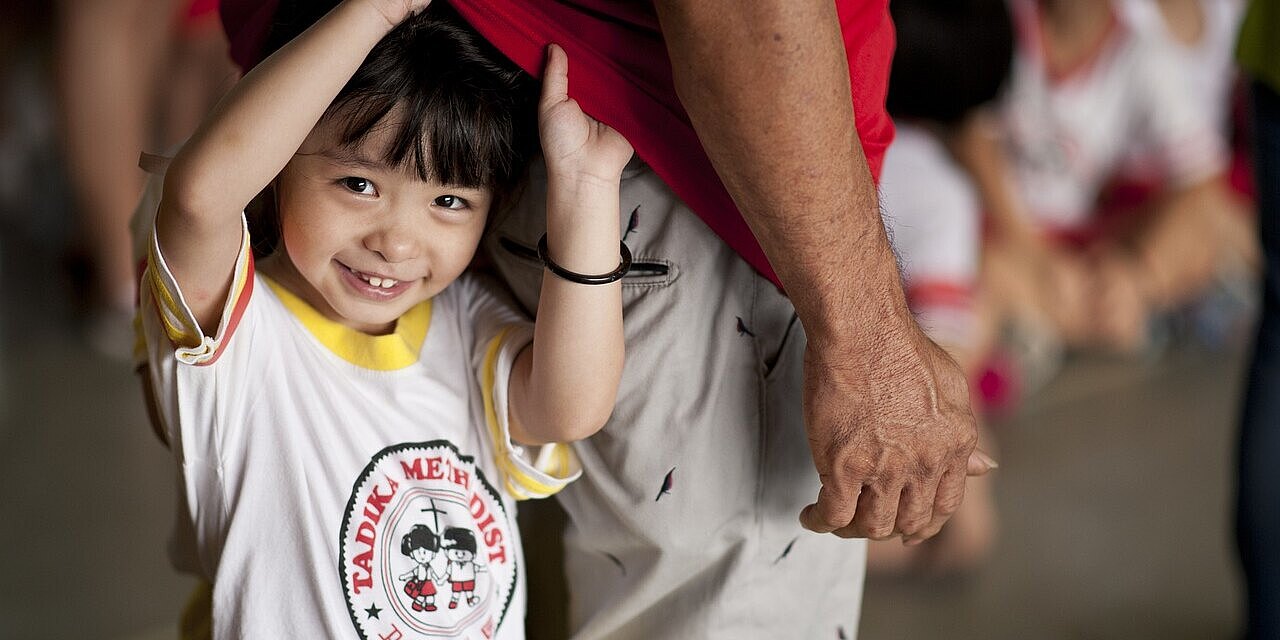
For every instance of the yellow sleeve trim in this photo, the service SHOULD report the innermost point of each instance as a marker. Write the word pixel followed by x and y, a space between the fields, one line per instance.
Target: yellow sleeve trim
pixel 556 465
pixel 180 324
pixel 171 313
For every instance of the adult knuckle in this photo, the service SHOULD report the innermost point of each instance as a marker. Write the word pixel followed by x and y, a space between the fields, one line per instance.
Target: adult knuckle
pixel 852 467
pixel 948 505
pixel 927 466
pixel 831 520
pixel 964 432
pixel 880 531
pixel 912 526
pixel 878 527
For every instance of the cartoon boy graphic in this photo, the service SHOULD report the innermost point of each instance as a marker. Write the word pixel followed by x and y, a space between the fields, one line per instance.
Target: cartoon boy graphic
pixel 460 547
pixel 421 544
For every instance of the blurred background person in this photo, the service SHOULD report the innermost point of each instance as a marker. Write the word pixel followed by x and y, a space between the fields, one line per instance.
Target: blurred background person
pixel 1200 37
pixel 1258 480
pixel 132 75
pixel 952 58
pixel 1087 87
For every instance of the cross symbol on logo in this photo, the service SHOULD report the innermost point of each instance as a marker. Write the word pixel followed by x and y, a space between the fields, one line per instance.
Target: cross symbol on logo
pixel 435 513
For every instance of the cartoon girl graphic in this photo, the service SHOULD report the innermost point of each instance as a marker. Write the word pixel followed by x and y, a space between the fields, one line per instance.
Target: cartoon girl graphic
pixel 460 547
pixel 421 544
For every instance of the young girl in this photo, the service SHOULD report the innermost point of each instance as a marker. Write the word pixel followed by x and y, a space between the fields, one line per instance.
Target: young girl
pixel 354 385
pixel 421 544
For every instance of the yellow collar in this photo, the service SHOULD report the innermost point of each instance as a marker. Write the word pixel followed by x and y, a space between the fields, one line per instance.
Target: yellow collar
pixel 395 350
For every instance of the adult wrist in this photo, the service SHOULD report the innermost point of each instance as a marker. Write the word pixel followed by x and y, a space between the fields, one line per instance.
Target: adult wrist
pixel 866 315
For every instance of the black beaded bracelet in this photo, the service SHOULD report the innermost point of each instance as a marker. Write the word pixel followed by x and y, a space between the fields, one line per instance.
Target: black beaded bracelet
pixel 581 278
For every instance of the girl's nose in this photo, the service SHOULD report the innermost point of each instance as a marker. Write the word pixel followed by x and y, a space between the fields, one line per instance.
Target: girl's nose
pixel 394 241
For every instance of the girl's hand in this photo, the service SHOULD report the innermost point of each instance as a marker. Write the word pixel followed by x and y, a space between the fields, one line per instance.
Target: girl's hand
pixel 397 11
pixel 574 143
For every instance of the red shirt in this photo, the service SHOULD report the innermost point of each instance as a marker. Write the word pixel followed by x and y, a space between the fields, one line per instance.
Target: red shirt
pixel 622 76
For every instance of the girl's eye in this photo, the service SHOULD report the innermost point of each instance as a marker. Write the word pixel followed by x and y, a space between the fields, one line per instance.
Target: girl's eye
pixel 362 186
pixel 450 202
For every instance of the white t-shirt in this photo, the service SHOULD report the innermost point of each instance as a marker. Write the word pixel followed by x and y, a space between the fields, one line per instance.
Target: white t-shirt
pixel 1208 67
pixel 934 217
pixel 1068 135
pixel 1208 64
pixel 309 451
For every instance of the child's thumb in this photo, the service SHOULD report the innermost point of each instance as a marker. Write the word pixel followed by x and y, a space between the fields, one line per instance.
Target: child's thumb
pixel 980 463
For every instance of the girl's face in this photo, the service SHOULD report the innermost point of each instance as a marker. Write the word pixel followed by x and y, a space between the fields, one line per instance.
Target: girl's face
pixel 363 242
pixel 420 555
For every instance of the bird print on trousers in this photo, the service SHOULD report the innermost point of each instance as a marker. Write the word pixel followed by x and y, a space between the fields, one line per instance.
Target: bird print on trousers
pixel 668 483
pixel 786 551
pixel 615 560
pixel 633 223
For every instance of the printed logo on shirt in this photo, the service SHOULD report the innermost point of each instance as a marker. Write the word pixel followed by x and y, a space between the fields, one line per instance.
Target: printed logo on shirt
pixel 426 547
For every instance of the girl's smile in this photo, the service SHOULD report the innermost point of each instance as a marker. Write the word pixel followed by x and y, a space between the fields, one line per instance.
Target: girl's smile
pixel 374 287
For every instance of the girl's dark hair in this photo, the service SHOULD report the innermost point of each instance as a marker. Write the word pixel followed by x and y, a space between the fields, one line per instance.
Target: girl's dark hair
pixel 419 537
pixel 952 56
pixel 470 115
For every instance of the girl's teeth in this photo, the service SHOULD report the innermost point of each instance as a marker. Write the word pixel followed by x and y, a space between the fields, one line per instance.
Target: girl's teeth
pixel 385 283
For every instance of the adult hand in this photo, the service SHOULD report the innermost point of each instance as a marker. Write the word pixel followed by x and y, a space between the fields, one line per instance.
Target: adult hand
pixel 892 437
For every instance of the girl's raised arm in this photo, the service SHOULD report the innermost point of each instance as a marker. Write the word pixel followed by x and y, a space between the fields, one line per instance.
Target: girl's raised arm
pixel 564 387
pixel 250 136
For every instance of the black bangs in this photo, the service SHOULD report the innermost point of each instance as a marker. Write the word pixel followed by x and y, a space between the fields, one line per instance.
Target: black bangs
pixel 462 114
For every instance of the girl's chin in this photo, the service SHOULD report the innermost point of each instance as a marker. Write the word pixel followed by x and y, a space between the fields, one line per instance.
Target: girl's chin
pixel 372 324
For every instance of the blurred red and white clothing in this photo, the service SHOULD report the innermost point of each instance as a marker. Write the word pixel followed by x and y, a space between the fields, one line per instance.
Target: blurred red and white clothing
pixel 934 217
pixel 1068 132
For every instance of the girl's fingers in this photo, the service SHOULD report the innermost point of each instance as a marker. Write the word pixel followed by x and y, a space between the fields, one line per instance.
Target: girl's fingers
pixel 555 78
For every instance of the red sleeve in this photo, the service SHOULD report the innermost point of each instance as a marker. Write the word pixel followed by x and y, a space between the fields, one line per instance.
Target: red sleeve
pixel 622 76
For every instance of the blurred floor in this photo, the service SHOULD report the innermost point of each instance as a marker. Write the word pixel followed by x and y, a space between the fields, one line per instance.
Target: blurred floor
pixel 1114 491
pixel 86 488
pixel 1113 487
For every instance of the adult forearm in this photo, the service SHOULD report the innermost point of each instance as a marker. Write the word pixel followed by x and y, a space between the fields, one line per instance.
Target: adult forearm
pixel 766 85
